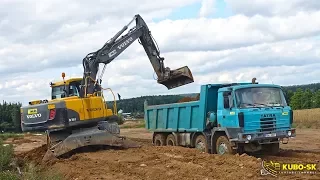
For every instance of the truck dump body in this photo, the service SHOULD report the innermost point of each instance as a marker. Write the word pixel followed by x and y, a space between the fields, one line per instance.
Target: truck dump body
pixel 177 117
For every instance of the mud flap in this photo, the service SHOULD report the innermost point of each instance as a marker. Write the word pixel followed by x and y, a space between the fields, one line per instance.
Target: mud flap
pixel 177 77
pixel 91 137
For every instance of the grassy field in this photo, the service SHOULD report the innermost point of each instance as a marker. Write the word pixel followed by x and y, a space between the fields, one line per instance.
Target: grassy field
pixel 133 124
pixel 5 136
pixel 307 118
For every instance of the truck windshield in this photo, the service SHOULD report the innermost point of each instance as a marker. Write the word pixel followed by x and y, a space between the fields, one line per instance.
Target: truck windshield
pixel 260 96
pixel 57 92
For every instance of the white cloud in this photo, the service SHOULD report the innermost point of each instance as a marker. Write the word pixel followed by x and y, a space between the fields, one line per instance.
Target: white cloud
pixel 207 7
pixel 39 41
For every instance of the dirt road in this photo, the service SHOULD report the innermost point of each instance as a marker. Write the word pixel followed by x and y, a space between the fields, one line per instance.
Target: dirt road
pixel 149 162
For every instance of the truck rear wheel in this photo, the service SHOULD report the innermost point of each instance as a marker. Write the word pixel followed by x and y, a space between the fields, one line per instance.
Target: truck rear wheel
pixel 201 143
pixel 223 146
pixel 160 140
pixel 171 140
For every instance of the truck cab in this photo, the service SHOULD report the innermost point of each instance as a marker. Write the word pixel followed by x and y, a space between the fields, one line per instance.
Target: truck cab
pixel 254 116
pixel 228 118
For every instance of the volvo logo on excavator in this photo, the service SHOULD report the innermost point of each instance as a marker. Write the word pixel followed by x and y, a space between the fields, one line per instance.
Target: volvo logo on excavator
pixel 122 45
pixel 94 109
pixel 31 116
pixel 125 43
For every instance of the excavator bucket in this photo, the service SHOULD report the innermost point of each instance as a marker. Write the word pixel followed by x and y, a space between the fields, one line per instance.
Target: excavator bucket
pixel 178 77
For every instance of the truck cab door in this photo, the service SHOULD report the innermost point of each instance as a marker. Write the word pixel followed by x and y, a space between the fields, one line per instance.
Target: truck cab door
pixel 227 116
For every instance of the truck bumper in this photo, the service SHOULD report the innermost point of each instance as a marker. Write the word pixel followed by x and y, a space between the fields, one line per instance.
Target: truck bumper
pixel 264 137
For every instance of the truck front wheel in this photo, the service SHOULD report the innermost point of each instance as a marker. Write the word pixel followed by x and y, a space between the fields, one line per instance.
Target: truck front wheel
pixel 223 146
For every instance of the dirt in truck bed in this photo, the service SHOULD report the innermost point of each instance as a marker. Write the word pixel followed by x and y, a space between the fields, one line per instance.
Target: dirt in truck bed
pixel 150 162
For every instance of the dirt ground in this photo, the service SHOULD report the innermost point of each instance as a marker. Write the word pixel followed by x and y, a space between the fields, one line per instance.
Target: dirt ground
pixel 150 162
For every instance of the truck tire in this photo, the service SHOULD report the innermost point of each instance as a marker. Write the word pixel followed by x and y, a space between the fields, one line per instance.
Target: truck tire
pixel 171 140
pixel 160 140
pixel 201 143
pixel 223 146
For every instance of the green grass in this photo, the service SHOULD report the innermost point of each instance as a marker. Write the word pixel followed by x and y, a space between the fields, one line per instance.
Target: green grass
pixel 9 175
pixel 6 155
pixel 34 172
pixel 5 136
pixel 133 124
pixel 8 168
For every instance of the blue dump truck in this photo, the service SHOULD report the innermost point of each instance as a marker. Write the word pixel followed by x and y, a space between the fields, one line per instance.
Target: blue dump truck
pixel 227 119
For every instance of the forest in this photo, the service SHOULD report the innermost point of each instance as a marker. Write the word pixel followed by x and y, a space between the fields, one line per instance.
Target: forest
pixel 298 97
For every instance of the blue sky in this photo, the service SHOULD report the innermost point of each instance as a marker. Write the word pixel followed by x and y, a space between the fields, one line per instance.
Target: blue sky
pixel 192 11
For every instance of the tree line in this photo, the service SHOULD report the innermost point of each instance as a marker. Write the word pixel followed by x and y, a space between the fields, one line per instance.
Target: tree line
pixel 298 97
pixel 10 117
pixel 303 99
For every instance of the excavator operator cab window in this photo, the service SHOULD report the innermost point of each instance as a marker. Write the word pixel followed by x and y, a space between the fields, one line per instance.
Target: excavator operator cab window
pixel 57 92
pixel 74 89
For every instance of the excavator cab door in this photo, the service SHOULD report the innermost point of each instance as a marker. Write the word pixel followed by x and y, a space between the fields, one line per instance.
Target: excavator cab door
pixel 177 77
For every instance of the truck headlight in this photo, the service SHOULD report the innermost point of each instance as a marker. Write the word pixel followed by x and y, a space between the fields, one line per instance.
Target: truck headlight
pixel 289 133
pixel 249 137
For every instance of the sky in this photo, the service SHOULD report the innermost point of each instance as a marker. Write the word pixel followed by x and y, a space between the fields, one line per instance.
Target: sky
pixel 221 41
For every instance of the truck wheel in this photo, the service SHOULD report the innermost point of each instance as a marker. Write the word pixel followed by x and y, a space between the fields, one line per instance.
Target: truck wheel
pixel 201 143
pixel 160 140
pixel 223 146
pixel 171 140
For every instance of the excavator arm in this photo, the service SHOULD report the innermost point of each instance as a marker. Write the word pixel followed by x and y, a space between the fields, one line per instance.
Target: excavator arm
pixel 115 46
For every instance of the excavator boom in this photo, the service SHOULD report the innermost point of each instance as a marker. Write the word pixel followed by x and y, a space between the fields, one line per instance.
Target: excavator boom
pixel 115 46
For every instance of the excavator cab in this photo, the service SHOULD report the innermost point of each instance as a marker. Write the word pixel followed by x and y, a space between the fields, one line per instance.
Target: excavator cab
pixel 177 77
